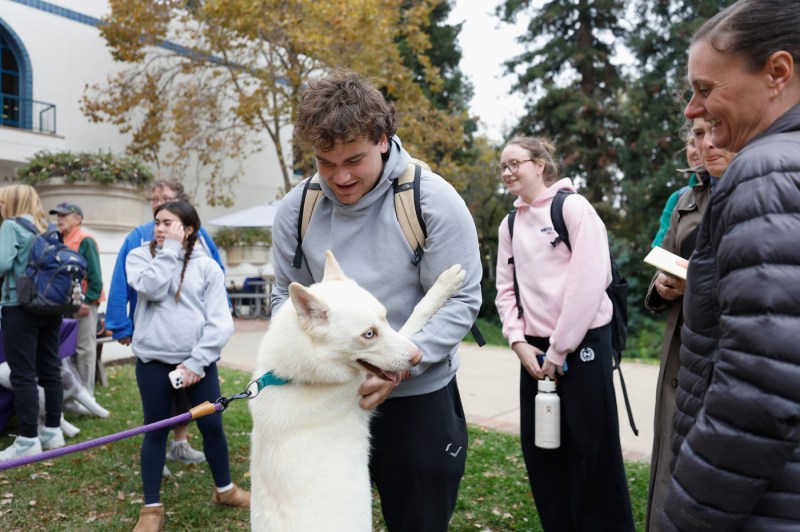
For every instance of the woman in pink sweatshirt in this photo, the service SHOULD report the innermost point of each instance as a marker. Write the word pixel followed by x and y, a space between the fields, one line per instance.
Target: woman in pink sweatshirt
pixel 556 318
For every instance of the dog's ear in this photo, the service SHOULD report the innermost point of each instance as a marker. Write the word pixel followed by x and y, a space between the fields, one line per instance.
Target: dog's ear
pixel 332 270
pixel 311 310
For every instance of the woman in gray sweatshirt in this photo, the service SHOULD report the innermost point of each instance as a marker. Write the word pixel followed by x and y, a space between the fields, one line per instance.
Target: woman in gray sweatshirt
pixel 182 321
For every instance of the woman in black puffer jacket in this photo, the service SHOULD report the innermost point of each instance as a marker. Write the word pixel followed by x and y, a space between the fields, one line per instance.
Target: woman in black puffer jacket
pixel 738 419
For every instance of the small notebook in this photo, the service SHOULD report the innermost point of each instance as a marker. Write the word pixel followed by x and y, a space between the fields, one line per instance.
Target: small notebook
pixel 667 262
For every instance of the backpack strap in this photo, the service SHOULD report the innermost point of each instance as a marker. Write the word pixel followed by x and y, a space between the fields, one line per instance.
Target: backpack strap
pixel 627 400
pixel 557 216
pixel 51 233
pixel 26 224
pixel 312 193
pixel 560 227
pixel 408 208
pixel 511 216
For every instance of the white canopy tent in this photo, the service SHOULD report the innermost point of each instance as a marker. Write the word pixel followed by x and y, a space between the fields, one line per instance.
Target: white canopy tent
pixel 258 216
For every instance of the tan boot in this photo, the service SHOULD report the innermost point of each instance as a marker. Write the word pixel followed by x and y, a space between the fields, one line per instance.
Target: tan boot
pixel 151 519
pixel 236 497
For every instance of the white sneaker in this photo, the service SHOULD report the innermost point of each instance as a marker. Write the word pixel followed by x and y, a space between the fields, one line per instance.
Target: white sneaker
pixel 21 447
pixel 72 406
pixel 51 437
pixel 183 452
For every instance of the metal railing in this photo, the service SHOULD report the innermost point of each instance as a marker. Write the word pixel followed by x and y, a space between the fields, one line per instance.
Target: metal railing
pixel 24 113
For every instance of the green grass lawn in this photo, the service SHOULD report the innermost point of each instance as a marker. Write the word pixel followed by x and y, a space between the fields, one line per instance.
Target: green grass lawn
pixel 100 489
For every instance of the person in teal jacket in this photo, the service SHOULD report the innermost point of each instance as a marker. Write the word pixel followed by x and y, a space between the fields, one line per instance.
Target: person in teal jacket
pixel 30 341
pixel 693 158
pixel 122 304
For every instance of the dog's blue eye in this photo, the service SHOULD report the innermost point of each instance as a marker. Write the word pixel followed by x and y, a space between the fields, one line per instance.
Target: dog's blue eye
pixel 369 334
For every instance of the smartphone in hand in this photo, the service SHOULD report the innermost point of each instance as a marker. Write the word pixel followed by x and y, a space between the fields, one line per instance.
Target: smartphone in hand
pixel 540 359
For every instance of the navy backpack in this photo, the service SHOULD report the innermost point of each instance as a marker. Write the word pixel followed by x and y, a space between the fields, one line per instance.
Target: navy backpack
pixel 51 282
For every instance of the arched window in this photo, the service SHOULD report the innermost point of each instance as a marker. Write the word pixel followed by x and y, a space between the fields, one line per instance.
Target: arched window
pixel 9 85
pixel 16 84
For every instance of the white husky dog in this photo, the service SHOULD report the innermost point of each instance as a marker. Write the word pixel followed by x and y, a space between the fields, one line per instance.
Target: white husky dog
pixel 310 441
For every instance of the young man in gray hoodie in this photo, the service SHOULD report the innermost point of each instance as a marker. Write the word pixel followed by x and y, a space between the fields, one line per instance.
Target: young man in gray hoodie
pixel 419 435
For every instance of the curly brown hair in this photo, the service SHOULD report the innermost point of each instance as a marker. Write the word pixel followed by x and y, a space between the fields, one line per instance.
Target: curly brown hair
pixel 343 107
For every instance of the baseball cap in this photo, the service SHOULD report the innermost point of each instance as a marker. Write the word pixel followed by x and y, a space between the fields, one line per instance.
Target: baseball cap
pixel 67 208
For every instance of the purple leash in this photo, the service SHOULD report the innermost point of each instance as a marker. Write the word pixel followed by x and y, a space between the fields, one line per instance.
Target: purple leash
pixel 200 410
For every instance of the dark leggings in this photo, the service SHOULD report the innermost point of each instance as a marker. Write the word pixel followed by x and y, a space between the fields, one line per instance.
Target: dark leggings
pixel 582 484
pixel 157 399
pixel 419 450
pixel 181 404
pixel 31 345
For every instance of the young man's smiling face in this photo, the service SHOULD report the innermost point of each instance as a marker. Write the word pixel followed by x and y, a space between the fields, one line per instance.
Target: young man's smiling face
pixel 352 169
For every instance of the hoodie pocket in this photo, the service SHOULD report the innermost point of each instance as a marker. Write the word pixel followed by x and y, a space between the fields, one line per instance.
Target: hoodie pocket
pixel 172 331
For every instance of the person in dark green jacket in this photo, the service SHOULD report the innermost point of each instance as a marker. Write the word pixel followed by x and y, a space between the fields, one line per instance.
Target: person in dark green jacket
pixel 70 219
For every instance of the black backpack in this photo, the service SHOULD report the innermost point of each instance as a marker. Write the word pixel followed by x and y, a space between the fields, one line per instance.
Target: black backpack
pixel 51 282
pixel 617 291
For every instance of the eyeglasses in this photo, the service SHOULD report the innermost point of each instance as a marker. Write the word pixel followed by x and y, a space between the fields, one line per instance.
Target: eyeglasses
pixel 512 165
pixel 158 200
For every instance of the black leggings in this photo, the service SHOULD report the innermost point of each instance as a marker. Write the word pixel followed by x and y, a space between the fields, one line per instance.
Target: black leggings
pixel 181 404
pixel 581 485
pixel 157 399
pixel 31 345
pixel 419 451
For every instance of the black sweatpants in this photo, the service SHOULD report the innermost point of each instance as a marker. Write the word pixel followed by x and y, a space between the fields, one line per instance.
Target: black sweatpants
pixel 31 345
pixel 580 486
pixel 419 450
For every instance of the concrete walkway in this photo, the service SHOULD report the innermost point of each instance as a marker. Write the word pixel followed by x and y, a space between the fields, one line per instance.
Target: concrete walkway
pixel 488 380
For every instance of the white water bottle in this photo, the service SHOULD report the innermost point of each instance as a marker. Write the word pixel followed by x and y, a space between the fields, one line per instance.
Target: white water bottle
pixel 548 416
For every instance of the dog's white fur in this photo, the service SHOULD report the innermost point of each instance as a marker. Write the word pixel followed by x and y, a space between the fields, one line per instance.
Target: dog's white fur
pixel 310 440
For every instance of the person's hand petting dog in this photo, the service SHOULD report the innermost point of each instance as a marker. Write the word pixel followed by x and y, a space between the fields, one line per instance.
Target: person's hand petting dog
pixel 374 392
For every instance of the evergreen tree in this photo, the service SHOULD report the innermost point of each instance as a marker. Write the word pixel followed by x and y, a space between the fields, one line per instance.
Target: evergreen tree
pixel 650 148
pixel 440 63
pixel 452 89
pixel 617 134
pixel 572 87
pixel 477 160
